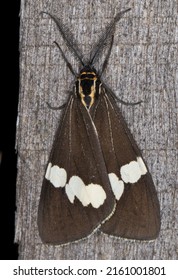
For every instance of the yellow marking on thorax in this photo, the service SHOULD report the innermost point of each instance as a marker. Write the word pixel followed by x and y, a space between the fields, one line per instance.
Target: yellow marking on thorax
pixel 92 93
pixel 91 79
pixel 92 73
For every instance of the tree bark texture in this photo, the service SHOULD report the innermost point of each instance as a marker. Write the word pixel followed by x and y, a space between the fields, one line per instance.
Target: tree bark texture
pixel 142 66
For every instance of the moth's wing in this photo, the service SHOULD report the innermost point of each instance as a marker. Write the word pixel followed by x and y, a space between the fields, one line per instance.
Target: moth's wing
pixel 76 164
pixel 137 214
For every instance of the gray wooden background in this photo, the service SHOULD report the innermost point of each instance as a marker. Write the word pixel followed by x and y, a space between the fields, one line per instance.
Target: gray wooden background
pixel 143 65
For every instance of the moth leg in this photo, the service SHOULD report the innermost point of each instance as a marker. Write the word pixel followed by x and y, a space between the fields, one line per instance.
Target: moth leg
pixel 120 100
pixel 118 16
pixel 107 57
pixel 67 36
pixel 72 71
pixel 98 48
pixel 66 60
pixel 56 108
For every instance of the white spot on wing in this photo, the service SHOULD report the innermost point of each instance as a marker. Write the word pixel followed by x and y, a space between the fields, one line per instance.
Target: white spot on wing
pixel 96 195
pixel 58 176
pixel 116 185
pixel 142 165
pixel 92 193
pixel 77 187
pixel 48 170
pixel 130 173
pixel 69 193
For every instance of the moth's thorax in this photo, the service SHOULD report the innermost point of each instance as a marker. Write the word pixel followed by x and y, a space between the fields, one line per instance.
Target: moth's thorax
pixel 88 87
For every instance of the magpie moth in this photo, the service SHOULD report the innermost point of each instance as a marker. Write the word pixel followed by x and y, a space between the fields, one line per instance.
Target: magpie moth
pixel 95 177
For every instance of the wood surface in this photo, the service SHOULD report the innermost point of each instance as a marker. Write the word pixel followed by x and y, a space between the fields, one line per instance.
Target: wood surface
pixel 142 66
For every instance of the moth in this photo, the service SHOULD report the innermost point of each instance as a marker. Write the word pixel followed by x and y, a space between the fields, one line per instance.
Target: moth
pixel 96 178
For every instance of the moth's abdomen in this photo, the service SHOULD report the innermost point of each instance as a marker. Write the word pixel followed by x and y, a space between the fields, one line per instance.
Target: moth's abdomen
pixel 88 87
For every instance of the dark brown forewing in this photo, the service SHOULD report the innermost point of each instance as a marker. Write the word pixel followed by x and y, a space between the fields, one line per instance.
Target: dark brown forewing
pixel 137 214
pixel 77 150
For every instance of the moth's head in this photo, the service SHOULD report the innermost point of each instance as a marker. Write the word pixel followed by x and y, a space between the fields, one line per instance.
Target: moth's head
pixel 88 69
